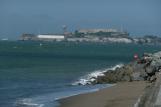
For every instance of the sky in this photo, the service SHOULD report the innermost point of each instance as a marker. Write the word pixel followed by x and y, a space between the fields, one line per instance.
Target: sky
pixel 138 17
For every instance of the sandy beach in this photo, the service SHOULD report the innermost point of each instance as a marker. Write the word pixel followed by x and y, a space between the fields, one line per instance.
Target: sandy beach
pixel 124 94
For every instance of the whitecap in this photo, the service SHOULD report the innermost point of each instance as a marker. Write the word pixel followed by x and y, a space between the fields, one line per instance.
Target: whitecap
pixel 89 78
pixel 27 102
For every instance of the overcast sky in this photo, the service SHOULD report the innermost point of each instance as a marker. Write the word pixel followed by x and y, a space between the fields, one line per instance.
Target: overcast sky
pixel 138 17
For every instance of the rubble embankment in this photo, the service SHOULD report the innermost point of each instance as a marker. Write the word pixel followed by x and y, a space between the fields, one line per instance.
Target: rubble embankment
pixel 147 68
pixel 144 68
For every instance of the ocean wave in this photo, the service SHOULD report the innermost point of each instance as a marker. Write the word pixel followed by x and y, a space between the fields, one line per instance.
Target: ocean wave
pixel 27 102
pixel 89 78
pixel 52 99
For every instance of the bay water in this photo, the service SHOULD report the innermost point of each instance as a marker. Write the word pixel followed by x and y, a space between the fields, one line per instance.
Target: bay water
pixel 36 74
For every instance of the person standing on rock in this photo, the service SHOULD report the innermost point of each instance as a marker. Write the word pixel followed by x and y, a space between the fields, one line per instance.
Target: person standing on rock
pixel 136 57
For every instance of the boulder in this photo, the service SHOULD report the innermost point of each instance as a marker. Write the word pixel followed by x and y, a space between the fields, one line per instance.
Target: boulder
pixel 137 76
pixel 153 78
pixel 150 70
pixel 134 71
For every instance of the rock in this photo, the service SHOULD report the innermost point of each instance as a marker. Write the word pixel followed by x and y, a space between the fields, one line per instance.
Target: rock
pixel 146 70
pixel 156 59
pixel 143 75
pixel 157 54
pixel 137 76
pixel 147 57
pixel 138 67
pixel 153 78
pixel 121 74
pixel 159 69
pixel 156 62
pixel 150 69
pixel 127 78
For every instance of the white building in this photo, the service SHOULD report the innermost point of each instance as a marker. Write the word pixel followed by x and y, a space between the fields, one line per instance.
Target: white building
pixel 119 40
pixel 50 37
pixel 96 30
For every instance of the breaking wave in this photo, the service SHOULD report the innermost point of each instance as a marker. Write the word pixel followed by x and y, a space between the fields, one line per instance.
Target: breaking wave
pixel 89 78
pixel 27 102
pixel 52 99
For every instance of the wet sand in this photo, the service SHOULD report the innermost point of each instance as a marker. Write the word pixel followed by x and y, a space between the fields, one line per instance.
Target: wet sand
pixel 124 94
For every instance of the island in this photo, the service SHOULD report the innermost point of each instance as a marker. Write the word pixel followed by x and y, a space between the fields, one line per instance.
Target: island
pixel 94 35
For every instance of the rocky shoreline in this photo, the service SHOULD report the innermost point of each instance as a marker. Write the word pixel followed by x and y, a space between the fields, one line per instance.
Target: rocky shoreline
pixel 147 68
pixel 143 68
pixel 138 85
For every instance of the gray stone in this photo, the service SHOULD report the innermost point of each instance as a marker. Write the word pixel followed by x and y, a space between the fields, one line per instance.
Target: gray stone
pixel 136 76
pixel 153 78
pixel 150 69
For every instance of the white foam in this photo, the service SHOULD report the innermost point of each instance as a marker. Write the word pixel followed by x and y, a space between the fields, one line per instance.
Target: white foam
pixel 27 102
pixel 87 79
pixel 50 100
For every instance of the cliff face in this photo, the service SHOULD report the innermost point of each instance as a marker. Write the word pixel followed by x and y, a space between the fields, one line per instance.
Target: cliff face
pixel 144 68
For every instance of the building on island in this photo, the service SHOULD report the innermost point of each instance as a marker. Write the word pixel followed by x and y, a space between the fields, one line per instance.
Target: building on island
pixel 87 31
pixel 101 33
pixel 83 35
pixel 24 37
pixel 50 37
pixel 43 37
